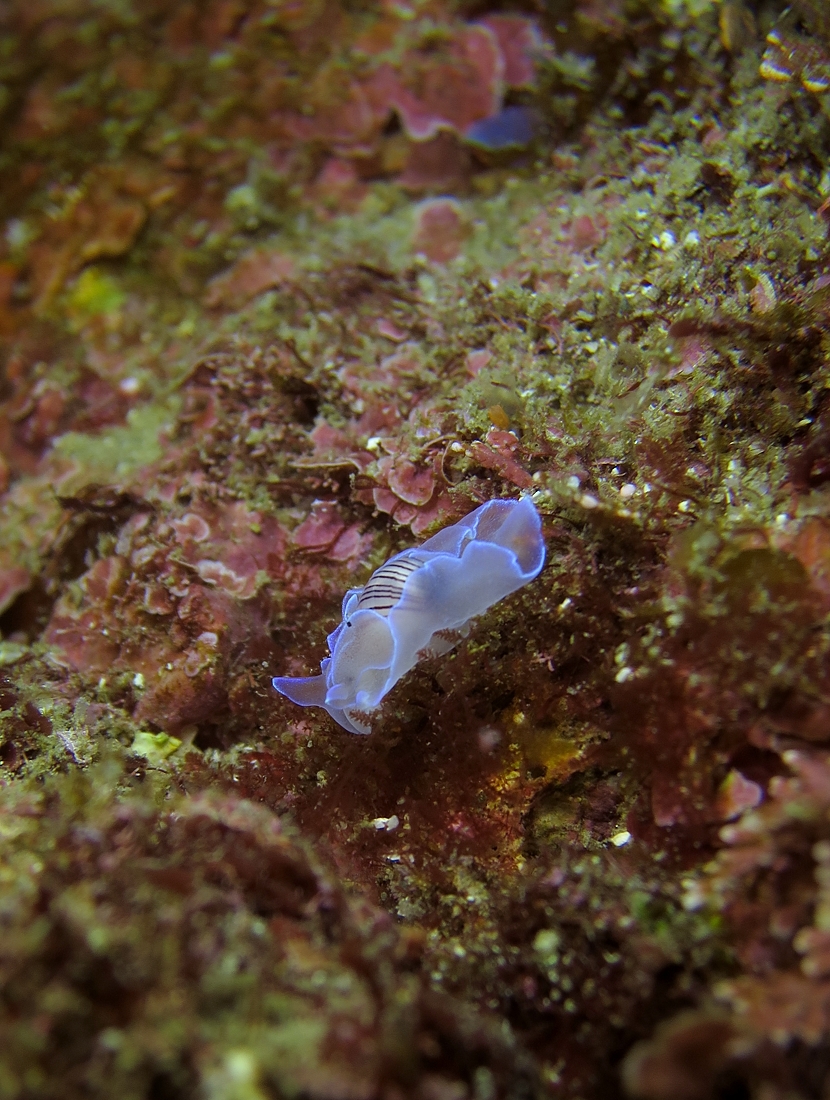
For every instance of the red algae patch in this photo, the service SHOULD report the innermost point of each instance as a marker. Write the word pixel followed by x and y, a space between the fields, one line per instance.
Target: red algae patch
pixel 521 45
pixel 498 454
pixel 448 88
pixel 440 230
pixel 325 531
pixel 256 271
pixel 13 581
pixel 439 164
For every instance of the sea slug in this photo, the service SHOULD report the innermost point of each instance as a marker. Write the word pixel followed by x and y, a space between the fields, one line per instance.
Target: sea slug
pixel 420 604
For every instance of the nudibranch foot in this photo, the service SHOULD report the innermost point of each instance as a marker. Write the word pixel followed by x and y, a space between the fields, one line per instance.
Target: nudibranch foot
pixel 420 603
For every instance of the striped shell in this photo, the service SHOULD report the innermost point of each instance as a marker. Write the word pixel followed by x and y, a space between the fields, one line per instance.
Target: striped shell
pixel 385 586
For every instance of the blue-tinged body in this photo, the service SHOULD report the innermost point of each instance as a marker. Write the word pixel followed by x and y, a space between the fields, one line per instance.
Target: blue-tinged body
pixel 510 128
pixel 405 608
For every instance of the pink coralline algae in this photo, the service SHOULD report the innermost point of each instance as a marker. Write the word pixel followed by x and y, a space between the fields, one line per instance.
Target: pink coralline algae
pixel 520 43
pixel 769 888
pixel 498 454
pixel 398 442
pixel 174 603
pixel 441 81
pixel 439 230
pixel 419 518
pixel 411 482
pixel 232 548
pixel 35 410
pixel 447 89
pixel 255 271
pixel 344 113
pixel 413 490
pixel 324 531
pixel 440 164
pixel 338 186
pixel 13 580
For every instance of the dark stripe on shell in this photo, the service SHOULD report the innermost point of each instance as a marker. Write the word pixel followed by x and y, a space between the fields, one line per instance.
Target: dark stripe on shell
pixel 384 587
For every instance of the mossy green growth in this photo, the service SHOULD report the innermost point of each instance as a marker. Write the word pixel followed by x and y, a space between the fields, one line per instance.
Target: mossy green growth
pixel 155 747
pixel 10 652
pixel 119 451
pixel 136 948
pixel 94 293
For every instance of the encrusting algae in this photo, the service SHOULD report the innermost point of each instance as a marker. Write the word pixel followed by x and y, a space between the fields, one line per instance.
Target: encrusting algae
pixel 286 288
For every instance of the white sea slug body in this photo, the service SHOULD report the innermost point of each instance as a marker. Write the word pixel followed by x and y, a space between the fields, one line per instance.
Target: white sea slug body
pixel 408 605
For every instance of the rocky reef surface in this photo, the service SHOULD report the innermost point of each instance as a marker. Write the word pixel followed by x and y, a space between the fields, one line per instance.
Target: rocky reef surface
pixel 285 287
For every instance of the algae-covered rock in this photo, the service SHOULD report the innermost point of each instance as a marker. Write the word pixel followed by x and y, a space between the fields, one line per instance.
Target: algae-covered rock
pixel 189 945
pixel 284 289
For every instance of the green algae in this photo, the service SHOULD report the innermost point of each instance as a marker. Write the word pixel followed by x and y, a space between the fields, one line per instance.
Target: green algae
pixel 10 652
pixel 96 292
pixel 121 451
pixel 155 747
